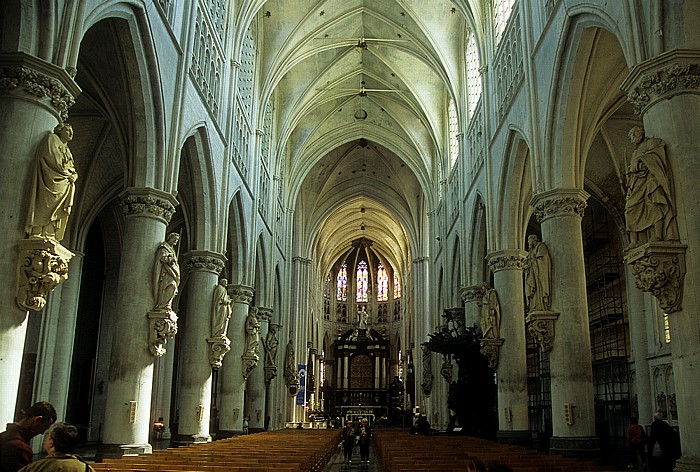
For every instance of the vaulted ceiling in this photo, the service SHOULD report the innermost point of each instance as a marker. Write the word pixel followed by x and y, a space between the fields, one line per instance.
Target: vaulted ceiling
pixel 361 89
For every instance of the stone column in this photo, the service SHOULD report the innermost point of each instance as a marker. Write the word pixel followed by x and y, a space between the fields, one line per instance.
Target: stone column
pixel 421 304
pixel 194 395
pixel 471 296
pixel 255 388
pixel 127 424
pixel 57 338
pixel 573 418
pixel 513 422
pixel 299 329
pixel 34 97
pixel 231 374
pixel 665 92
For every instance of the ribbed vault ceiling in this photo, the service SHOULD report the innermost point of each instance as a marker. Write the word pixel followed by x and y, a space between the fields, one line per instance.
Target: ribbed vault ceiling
pixel 360 89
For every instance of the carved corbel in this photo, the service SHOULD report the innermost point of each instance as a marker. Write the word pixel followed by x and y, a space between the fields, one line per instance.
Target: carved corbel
pixel 162 326
pixel 540 325
pixel 218 347
pixel 491 348
pixel 43 264
pixel 250 362
pixel 270 373
pixel 659 268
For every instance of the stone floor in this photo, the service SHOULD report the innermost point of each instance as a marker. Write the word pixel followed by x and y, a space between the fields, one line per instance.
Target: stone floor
pixel 337 464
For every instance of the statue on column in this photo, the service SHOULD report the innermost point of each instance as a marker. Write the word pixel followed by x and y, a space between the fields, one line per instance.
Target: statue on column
pixel 252 333
pixel 219 343
pixel 538 275
pixel 649 212
pixel 490 313
pixel 221 310
pixel 53 186
pixel 271 345
pixel 166 280
pixel 427 384
pixel 291 375
pixel 166 274
pixel 42 260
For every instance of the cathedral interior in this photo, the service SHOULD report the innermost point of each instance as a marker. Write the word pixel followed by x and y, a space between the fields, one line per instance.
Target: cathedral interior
pixel 295 212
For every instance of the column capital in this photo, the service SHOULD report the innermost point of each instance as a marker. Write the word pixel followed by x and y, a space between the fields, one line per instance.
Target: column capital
pixel 203 261
pixel 264 314
pixel 420 260
pixel 52 86
pixel 559 202
pixel 301 260
pixel 672 73
pixel 148 202
pixel 506 259
pixel 241 293
pixel 472 293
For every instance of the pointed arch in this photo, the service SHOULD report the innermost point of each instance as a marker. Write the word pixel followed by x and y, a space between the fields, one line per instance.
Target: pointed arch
pixel 477 243
pixel 236 244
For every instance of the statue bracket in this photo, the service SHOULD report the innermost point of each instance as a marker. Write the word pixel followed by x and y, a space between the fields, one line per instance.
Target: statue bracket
pixel 659 268
pixel 250 362
pixel 540 325
pixel 218 347
pixel 42 265
pixel 491 348
pixel 162 325
pixel 270 373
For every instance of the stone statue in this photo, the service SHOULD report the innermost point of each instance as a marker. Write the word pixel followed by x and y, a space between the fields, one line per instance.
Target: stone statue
pixel 649 212
pixel 291 375
pixel 252 333
pixel 53 186
pixel 538 275
pixel 271 344
pixel 166 274
pixel 427 383
pixel 220 310
pixel 490 313
pixel 364 317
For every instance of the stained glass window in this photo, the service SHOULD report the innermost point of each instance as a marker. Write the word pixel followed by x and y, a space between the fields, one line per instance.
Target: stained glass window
pixel 382 284
pixel 327 287
pixel 342 283
pixel 501 13
pixel 361 282
pixel 397 287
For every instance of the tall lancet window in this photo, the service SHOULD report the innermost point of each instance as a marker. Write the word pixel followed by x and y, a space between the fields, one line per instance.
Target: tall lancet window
pixel 342 283
pixel 397 287
pixel 473 74
pixel 382 284
pixel 361 282
pixel 453 129
pixel 501 13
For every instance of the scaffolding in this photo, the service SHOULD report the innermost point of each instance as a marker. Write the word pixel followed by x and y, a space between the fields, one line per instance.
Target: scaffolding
pixel 609 327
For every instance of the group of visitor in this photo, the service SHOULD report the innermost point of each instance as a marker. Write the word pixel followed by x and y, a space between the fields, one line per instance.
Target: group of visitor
pixel 360 436
pixel 60 440
pixel 656 452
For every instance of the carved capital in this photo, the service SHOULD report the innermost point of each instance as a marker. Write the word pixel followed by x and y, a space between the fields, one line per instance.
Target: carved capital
pixel 162 325
pixel 421 260
pixel 659 268
pixel 43 264
pixel 508 259
pixel 473 293
pixel 204 261
pixel 241 293
pixel 218 347
pixel 491 349
pixel 669 74
pixel 301 260
pixel 558 203
pixel 148 202
pixel 50 85
pixel 250 362
pixel 540 325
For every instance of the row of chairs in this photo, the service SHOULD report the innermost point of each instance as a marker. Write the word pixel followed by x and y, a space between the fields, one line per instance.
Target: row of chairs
pixel 399 451
pixel 286 450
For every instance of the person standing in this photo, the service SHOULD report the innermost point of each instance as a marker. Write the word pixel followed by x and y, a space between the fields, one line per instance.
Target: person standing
pixel 636 439
pixel 348 436
pixel 15 451
pixel 364 433
pixel 59 443
pixel 662 445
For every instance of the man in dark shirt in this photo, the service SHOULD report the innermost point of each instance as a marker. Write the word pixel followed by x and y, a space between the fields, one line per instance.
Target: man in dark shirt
pixel 15 451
